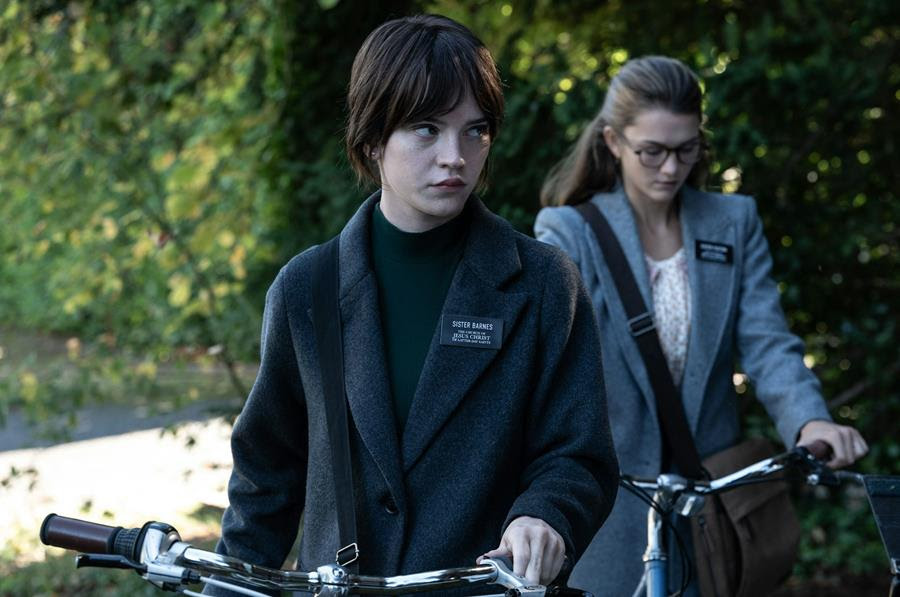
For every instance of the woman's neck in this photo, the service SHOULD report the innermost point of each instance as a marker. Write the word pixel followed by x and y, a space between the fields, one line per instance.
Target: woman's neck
pixel 659 227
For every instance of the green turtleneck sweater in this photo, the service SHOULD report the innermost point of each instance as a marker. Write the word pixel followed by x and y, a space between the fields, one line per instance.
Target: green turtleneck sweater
pixel 414 271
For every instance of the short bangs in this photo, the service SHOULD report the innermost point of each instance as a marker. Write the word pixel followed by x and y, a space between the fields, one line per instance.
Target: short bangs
pixel 412 69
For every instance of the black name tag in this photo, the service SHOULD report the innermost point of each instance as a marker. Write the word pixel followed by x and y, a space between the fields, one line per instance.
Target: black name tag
pixel 475 332
pixel 715 252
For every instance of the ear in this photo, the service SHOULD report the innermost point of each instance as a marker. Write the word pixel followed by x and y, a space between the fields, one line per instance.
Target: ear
pixel 612 141
pixel 373 153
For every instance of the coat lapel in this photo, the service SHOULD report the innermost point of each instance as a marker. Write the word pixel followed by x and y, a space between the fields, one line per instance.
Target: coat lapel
pixel 712 291
pixel 490 259
pixel 621 219
pixel 365 365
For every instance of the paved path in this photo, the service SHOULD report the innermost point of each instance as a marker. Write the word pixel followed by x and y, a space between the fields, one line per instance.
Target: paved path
pixel 121 470
pixel 99 421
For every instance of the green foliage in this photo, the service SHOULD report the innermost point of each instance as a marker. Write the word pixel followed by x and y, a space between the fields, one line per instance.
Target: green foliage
pixel 133 137
pixel 160 161
pixel 58 577
pixel 819 161
pixel 839 535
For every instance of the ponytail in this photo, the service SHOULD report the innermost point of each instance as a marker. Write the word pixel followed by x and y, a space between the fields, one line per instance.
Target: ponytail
pixel 588 168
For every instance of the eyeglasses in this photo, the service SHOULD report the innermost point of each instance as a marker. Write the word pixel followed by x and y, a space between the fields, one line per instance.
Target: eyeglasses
pixel 656 154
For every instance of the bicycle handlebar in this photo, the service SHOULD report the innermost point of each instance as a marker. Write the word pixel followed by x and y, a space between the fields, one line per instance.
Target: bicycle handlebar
pixel 808 458
pixel 158 554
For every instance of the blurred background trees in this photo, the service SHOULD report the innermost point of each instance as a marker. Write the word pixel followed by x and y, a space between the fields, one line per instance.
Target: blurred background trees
pixel 159 161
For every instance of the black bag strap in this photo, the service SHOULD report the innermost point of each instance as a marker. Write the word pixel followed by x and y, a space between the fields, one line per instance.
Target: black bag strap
pixel 327 323
pixel 673 422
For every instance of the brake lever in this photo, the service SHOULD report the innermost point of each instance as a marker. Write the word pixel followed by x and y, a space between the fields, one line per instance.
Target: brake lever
pixel 97 560
pixel 816 471
pixel 517 586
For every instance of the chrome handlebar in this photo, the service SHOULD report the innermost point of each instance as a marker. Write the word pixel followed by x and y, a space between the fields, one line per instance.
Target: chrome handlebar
pixel 670 485
pixel 163 559
pixel 332 579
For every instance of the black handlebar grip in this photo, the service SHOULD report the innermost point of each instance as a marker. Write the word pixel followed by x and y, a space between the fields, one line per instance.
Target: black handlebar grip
pixel 78 535
pixel 819 449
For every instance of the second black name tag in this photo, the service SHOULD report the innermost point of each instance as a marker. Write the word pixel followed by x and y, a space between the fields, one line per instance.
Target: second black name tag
pixel 716 252
pixel 474 332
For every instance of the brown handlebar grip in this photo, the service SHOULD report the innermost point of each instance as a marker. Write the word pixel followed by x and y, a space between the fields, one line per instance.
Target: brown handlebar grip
pixel 819 449
pixel 78 535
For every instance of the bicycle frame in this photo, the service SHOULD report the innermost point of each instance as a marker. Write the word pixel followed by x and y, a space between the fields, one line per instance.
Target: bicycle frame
pixel 671 493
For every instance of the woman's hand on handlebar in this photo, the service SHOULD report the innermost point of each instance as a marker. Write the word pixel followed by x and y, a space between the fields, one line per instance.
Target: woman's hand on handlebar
pixel 847 445
pixel 537 550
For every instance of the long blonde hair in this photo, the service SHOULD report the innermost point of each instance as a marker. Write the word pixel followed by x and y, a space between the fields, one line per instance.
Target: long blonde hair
pixel 642 84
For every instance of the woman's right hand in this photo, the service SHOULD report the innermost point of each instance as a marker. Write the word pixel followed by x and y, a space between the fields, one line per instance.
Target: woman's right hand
pixel 847 444
pixel 536 549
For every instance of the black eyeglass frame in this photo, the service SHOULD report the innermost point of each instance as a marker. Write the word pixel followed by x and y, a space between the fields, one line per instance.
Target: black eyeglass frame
pixel 667 151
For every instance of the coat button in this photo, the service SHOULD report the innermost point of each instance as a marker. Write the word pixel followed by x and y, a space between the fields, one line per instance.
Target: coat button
pixel 390 506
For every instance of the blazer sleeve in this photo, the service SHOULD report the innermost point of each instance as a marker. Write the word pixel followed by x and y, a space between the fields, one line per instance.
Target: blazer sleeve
pixel 559 226
pixel 571 473
pixel 269 448
pixel 769 353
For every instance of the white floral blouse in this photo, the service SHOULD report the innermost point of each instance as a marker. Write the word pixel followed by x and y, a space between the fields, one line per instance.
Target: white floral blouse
pixel 672 308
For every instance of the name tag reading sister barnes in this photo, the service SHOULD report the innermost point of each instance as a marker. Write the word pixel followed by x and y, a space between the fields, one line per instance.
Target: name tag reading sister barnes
pixel 474 332
pixel 716 252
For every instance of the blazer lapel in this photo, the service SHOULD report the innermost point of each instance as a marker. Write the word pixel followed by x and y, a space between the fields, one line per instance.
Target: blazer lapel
pixel 365 366
pixel 449 372
pixel 621 219
pixel 712 289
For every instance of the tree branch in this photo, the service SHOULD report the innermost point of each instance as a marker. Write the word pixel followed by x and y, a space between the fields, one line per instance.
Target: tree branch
pixel 859 387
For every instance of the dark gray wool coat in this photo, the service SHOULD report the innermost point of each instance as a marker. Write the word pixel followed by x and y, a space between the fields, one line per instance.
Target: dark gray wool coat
pixel 492 434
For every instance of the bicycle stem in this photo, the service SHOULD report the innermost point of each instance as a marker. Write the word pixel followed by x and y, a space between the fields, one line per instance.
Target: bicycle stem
pixel 655 557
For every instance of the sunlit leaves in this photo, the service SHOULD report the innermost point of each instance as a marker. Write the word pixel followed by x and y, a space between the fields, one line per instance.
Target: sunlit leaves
pixel 132 141
pixel 179 290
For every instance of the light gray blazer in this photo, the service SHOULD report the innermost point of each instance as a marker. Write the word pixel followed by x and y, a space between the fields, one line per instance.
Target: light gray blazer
pixel 736 317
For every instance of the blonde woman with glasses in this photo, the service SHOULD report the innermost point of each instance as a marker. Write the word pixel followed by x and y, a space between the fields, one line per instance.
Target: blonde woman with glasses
pixel 703 269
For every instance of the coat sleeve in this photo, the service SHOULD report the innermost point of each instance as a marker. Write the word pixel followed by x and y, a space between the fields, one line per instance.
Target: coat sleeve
pixel 769 353
pixel 559 226
pixel 571 473
pixel 269 449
